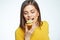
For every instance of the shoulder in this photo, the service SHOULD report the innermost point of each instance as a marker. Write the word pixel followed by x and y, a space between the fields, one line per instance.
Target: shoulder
pixel 19 30
pixel 44 26
pixel 44 23
pixel 19 34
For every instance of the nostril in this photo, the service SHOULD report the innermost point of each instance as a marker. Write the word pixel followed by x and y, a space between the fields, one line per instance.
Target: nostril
pixel 28 19
pixel 32 18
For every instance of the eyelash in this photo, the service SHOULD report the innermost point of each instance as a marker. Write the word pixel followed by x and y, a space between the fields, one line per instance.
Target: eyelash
pixel 32 12
pixel 25 13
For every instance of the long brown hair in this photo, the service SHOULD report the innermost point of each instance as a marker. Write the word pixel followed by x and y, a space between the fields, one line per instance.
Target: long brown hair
pixel 24 4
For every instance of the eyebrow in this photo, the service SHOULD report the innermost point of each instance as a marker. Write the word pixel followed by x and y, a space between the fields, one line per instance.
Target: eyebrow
pixel 25 12
pixel 30 10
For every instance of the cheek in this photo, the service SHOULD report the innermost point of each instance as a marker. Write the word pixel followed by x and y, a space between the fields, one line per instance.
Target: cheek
pixel 35 15
pixel 25 16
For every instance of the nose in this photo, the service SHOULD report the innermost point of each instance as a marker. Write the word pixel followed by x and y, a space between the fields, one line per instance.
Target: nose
pixel 29 15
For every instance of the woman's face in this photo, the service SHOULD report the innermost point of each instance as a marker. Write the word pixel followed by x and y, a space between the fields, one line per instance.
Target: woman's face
pixel 30 13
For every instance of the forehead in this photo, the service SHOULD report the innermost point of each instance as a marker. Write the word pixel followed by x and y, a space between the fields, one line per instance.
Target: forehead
pixel 29 7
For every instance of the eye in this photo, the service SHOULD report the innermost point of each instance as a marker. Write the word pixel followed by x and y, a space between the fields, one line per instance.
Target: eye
pixel 25 13
pixel 32 12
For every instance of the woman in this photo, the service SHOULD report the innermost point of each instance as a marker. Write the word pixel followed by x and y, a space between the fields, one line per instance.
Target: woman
pixel 36 29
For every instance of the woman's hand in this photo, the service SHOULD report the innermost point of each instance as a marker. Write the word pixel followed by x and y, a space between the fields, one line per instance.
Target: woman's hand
pixel 28 32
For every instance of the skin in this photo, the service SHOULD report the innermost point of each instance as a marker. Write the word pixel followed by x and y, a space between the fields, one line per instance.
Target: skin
pixel 30 12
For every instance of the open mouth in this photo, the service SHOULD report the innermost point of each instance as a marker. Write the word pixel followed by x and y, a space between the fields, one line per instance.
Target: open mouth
pixel 30 21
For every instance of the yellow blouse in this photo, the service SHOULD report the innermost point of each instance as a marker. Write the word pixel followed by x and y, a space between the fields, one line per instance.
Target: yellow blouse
pixel 40 33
